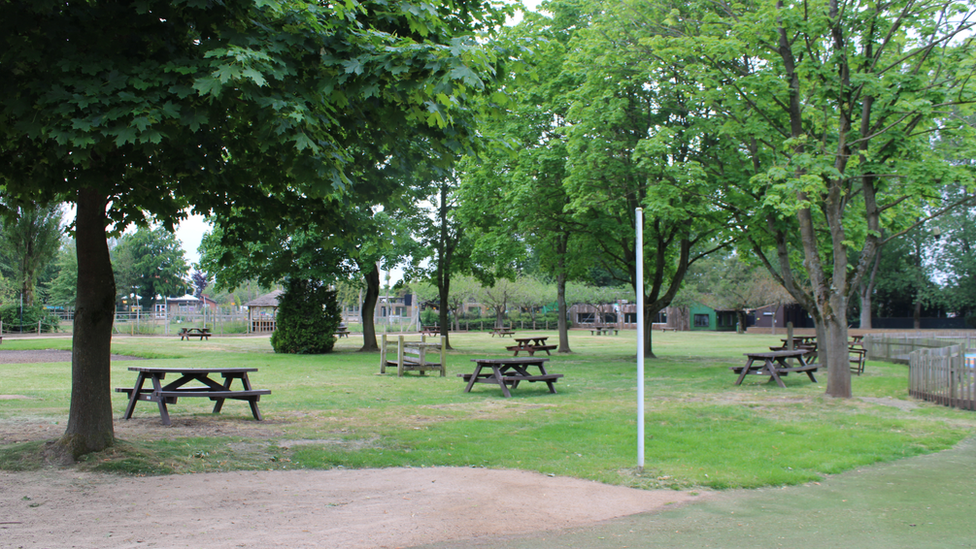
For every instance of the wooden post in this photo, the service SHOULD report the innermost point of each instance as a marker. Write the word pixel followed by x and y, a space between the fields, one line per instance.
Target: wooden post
pixel 789 336
pixel 383 354
pixel 400 356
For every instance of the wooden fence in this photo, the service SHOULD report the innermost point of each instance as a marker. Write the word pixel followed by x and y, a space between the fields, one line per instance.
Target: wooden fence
pixel 896 348
pixel 945 376
pixel 941 366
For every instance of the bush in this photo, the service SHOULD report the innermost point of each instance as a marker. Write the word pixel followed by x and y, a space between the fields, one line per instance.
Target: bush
pixel 429 317
pixel 11 319
pixel 308 315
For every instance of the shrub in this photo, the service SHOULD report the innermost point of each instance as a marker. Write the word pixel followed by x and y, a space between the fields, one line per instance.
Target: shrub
pixel 429 317
pixel 308 315
pixel 11 319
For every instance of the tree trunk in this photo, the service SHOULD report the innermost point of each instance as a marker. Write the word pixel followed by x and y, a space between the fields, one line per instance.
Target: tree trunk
pixel 649 315
pixel 368 310
pixel 838 358
pixel 563 313
pixel 866 290
pixel 865 323
pixel 444 290
pixel 90 427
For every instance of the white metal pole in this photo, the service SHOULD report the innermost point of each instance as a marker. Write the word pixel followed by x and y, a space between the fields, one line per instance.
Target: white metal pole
pixel 640 339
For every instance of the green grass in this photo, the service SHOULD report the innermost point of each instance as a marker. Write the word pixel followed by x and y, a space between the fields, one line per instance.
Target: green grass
pixel 335 411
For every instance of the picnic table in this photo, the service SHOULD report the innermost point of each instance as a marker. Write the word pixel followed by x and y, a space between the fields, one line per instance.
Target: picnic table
pixel 207 387
pixel 202 333
pixel 601 330
pixel 500 332
pixel 509 372
pixel 802 340
pixel 430 330
pixel 774 364
pixel 342 331
pixel 530 345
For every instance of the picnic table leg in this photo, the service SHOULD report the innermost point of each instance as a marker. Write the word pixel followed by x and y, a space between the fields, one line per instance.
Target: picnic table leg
pixel 140 379
pixel 501 382
pixel 253 401
pixel 771 370
pixel 226 387
pixel 745 372
pixel 550 382
pixel 157 388
pixel 474 378
pixel 808 372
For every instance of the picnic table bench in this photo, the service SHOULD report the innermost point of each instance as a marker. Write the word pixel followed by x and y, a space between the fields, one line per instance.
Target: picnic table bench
pixel 208 388
pixel 530 345
pixel 774 364
pixel 202 333
pixel 500 332
pixel 603 330
pixel 342 331
pixel 430 330
pixel 509 372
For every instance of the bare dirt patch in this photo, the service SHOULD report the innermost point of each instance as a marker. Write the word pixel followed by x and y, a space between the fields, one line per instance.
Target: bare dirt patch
pixel 336 508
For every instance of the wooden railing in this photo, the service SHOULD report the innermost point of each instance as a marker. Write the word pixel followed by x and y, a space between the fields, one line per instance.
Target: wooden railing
pixel 945 376
pixel 896 348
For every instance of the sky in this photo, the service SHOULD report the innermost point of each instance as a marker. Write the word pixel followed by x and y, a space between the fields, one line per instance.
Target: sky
pixel 190 233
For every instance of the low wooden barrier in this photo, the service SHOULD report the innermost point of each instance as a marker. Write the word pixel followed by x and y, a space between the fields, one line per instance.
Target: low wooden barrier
pixel 944 376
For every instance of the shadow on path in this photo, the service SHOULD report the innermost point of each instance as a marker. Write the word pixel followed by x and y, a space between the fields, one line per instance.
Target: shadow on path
pixel 927 501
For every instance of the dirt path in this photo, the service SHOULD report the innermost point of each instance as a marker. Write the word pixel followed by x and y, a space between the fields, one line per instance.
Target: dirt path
pixel 337 508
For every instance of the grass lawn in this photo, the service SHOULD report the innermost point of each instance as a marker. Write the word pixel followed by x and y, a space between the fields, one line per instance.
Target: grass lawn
pixel 336 411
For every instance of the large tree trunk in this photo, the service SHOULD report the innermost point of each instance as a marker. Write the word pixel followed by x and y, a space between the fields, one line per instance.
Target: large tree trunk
pixel 563 313
pixel 368 310
pixel 90 426
pixel 838 358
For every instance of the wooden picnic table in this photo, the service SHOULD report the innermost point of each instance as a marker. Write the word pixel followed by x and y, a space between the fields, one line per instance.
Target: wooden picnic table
pixel 207 387
pixel 530 345
pixel 430 330
pixel 802 340
pixel 342 331
pixel 774 364
pixel 202 333
pixel 601 330
pixel 502 332
pixel 506 372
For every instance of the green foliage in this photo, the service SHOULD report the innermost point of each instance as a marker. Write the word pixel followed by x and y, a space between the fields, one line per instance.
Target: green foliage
pixel 149 262
pixel 32 314
pixel 63 288
pixel 428 317
pixel 29 242
pixel 308 315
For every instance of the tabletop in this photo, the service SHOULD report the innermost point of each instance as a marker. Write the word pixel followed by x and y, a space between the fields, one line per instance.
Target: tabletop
pixel 154 370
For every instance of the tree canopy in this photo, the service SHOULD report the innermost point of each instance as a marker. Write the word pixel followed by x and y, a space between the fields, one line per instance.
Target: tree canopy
pixel 160 106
